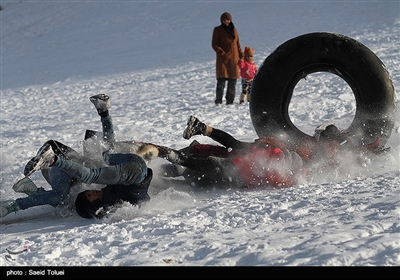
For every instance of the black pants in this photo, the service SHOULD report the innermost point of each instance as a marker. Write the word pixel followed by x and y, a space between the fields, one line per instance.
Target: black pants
pixel 228 140
pixel 207 169
pixel 230 91
pixel 211 169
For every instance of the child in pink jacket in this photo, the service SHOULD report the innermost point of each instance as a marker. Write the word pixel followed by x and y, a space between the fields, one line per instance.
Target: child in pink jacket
pixel 248 69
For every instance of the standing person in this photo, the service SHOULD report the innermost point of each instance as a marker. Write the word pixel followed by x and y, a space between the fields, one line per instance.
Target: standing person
pixel 226 44
pixel 248 70
pixel 127 177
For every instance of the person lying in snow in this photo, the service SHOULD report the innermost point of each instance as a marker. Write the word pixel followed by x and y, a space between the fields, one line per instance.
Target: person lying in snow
pixel 265 162
pixel 127 176
pixel 236 163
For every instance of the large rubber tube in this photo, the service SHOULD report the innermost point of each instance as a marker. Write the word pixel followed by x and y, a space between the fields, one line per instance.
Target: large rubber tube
pixel 345 57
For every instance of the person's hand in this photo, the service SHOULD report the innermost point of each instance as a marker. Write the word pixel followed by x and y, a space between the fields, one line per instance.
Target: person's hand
pixel 148 152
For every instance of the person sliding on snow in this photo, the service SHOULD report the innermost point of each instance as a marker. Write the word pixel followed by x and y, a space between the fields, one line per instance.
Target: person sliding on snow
pixel 318 154
pixel 127 176
pixel 267 161
pixel 236 163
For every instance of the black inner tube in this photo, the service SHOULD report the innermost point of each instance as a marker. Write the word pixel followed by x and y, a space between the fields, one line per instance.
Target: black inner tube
pixel 345 57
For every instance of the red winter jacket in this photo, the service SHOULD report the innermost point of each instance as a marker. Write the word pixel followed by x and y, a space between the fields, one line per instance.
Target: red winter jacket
pixel 256 166
pixel 247 69
pixel 262 167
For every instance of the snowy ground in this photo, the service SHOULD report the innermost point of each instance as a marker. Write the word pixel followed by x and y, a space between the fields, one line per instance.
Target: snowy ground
pixel 155 61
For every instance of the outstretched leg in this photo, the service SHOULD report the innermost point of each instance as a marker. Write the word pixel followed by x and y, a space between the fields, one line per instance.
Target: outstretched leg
pixel 218 167
pixel 127 168
pixel 60 184
pixel 102 104
pixel 196 127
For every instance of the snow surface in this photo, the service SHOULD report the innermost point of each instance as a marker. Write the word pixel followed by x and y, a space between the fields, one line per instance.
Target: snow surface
pixel 154 59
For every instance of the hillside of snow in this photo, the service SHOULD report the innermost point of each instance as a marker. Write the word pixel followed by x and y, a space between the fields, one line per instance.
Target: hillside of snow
pixel 154 59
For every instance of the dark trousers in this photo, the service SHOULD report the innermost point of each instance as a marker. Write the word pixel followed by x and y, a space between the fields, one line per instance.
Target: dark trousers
pixel 207 168
pixel 230 91
pixel 228 140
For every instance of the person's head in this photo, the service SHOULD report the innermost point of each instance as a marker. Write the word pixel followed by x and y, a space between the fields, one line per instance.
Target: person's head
pixel 332 133
pixel 88 204
pixel 226 18
pixel 330 139
pixel 248 54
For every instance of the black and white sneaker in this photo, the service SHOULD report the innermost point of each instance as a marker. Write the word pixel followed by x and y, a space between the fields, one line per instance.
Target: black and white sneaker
pixel 6 207
pixel 101 102
pixel 44 158
pixel 194 127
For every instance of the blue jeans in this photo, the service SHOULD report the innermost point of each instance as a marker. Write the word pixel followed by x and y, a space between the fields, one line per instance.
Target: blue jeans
pixel 124 169
pixel 61 181
pixel 60 184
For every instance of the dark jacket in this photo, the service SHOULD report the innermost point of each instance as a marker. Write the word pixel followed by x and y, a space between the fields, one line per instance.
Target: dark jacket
pixel 134 194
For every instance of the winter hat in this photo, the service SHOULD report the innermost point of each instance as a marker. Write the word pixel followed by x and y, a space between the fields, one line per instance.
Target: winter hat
pixel 248 50
pixel 85 208
pixel 226 15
